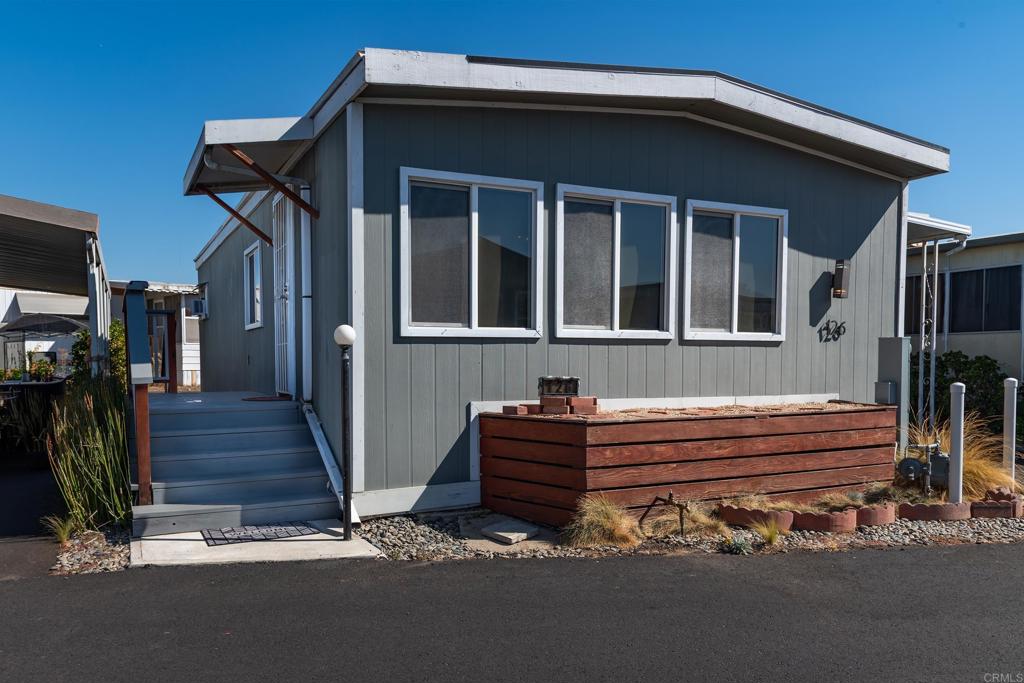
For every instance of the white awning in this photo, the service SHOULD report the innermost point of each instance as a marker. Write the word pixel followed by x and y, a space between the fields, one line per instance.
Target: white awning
pixel 271 143
pixel 922 227
pixel 46 313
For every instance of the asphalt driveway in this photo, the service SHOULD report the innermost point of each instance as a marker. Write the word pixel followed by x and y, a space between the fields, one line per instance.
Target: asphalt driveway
pixel 942 613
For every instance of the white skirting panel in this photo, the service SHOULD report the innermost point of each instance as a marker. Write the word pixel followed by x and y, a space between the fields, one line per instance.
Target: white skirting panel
pixel 417 499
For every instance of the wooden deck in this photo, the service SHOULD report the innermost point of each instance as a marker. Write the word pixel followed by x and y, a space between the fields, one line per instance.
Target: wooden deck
pixel 538 467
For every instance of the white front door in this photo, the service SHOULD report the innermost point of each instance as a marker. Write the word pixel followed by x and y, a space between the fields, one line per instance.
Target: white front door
pixel 284 349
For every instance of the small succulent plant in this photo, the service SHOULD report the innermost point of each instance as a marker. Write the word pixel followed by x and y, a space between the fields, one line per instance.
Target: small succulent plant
pixel 737 545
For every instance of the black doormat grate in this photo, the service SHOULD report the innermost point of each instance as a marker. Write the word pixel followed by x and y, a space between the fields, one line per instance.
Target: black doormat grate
pixel 259 532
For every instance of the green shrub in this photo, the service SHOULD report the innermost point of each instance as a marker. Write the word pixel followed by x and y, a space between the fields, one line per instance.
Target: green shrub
pixel 983 379
pixel 88 454
pixel 117 363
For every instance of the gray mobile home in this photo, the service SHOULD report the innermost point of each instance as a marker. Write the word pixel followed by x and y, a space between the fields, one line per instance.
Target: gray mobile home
pixel 669 236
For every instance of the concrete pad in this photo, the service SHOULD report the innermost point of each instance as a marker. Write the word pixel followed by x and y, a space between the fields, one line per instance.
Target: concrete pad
pixel 471 528
pixel 510 532
pixel 190 548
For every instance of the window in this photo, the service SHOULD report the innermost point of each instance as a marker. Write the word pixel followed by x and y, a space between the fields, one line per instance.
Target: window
pixel 615 275
pixel 735 272
pixel 985 300
pixel 253 288
pixel 470 255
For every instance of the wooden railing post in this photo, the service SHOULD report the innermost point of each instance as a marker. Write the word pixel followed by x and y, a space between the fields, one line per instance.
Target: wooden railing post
pixel 142 444
pixel 140 376
pixel 172 354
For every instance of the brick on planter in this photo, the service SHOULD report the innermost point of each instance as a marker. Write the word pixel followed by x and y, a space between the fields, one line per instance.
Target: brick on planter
pixel 556 410
pixel 585 410
pixel 582 401
pixel 532 408
pixel 554 401
pixel 514 410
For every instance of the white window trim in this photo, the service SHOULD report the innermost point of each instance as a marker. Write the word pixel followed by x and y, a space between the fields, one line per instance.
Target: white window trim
pixel 671 233
pixel 737 210
pixel 473 183
pixel 258 269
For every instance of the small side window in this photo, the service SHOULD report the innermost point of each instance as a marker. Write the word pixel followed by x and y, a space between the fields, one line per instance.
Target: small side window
pixel 253 287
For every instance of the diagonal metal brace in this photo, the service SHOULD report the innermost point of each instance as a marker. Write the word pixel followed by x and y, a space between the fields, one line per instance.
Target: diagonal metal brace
pixel 239 217
pixel 271 180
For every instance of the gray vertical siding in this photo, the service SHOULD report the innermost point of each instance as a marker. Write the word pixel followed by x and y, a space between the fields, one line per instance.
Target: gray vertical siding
pixel 418 390
pixel 329 251
pixel 233 358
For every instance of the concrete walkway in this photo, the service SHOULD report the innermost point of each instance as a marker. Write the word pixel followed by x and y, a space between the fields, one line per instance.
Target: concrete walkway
pixel 190 548
pixel 921 614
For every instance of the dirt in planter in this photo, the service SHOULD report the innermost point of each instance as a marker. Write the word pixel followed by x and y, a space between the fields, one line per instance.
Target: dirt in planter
pixel 735 410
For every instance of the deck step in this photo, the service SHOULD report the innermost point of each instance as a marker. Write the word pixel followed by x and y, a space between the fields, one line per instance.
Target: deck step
pixel 153 520
pixel 252 414
pixel 242 488
pixel 202 464
pixel 219 461
pixel 181 441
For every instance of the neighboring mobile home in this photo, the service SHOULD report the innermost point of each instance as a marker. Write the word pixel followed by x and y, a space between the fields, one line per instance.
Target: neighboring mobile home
pixel 978 307
pixel 668 236
pixel 180 302
pixel 53 282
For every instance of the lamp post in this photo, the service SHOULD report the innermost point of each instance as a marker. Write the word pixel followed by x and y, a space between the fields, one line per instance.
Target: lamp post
pixel 345 337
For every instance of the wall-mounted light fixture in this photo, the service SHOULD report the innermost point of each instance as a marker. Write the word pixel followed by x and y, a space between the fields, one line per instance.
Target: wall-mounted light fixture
pixel 841 279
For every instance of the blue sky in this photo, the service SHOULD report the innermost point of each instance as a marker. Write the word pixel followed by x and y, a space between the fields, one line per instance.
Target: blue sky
pixel 102 102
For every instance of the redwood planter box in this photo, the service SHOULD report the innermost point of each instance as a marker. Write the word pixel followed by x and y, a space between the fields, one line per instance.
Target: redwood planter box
pixel 537 467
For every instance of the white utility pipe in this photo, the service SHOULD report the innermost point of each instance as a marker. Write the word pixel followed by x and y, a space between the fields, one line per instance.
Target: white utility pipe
pixel 307 301
pixel 933 343
pixel 1010 425
pixel 922 339
pixel 956 442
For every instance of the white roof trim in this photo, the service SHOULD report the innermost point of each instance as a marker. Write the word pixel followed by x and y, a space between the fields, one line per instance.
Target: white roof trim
pixel 248 204
pixel 947 229
pixel 386 67
pixel 241 131
pixel 451 71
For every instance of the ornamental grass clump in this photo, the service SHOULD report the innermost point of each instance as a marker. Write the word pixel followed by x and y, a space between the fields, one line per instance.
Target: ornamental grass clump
pixel 983 454
pixel 839 501
pixel 600 522
pixel 769 532
pixel 62 528
pixel 89 455
pixel 697 521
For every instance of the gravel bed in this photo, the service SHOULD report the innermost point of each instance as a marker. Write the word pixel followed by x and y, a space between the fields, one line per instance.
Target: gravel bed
pixel 92 552
pixel 433 537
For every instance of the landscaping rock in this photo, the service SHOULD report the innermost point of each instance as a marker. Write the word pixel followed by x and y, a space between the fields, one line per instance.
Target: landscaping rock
pixel 92 552
pixel 442 537
pixel 510 531
pixel 842 522
pixel 935 511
